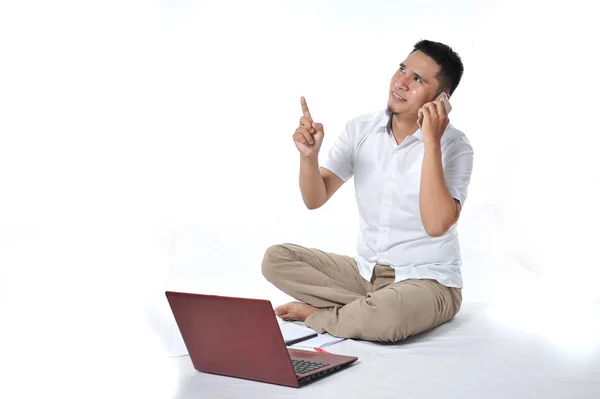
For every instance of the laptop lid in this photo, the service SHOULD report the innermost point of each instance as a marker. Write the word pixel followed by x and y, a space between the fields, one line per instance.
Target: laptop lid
pixel 236 337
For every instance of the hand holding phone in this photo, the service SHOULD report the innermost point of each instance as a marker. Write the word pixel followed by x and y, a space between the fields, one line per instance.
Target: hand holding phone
pixel 442 96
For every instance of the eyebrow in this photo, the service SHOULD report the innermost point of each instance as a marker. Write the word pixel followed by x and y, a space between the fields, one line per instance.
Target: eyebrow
pixel 414 73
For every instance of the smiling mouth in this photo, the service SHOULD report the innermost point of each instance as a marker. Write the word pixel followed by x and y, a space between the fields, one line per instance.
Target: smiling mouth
pixel 398 97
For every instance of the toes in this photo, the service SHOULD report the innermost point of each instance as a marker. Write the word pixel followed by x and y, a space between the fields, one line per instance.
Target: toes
pixel 279 310
pixel 283 315
pixel 282 311
pixel 289 310
pixel 285 308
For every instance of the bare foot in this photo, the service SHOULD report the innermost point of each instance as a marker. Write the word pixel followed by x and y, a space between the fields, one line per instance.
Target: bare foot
pixel 295 311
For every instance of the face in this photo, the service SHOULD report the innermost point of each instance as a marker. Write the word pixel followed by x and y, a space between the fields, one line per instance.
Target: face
pixel 413 84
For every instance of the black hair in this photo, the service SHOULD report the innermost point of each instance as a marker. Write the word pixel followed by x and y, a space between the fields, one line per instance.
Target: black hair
pixel 451 66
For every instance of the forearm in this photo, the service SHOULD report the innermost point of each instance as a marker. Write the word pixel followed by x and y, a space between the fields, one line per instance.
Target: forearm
pixel 438 209
pixel 312 186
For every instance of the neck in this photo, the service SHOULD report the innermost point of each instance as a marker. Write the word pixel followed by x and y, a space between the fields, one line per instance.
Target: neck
pixel 403 127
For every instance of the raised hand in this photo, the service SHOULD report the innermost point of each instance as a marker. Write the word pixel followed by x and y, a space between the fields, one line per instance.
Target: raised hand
pixel 308 137
pixel 433 121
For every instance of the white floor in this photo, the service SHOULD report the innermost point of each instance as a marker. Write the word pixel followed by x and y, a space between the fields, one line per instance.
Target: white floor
pixel 472 357
pixel 514 338
pixel 85 336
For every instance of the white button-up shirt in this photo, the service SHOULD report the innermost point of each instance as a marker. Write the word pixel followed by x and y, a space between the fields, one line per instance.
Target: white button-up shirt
pixel 387 178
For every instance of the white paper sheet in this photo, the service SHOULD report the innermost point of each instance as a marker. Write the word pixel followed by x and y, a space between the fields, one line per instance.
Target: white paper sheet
pixel 292 331
pixel 320 341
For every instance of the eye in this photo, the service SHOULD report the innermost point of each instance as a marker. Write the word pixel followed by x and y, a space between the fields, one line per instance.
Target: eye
pixel 401 69
pixel 418 79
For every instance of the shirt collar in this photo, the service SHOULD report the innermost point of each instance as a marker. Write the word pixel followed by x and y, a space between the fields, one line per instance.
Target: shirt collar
pixel 387 127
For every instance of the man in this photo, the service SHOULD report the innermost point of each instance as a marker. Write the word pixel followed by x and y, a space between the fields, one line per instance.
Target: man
pixel 411 171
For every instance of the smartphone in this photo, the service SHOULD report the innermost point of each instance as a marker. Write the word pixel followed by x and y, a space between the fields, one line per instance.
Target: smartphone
pixel 444 97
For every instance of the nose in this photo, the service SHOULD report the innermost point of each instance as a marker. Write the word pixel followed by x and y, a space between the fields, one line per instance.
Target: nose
pixel 401 82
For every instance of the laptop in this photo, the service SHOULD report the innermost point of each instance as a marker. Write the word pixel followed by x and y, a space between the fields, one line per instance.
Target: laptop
pixel 240 337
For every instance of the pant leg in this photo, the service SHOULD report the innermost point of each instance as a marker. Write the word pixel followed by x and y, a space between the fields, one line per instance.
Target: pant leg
pixel 392 313
pixel 318 278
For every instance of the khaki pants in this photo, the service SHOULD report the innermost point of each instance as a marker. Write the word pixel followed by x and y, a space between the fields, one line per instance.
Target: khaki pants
pixel 351 307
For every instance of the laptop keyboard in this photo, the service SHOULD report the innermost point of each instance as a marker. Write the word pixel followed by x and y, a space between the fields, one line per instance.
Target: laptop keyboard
pixel 304 366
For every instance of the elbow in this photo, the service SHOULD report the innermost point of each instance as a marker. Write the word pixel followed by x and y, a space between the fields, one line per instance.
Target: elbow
pixel 438 224
pixel 312 205
pixel 436 229
pixel 435 232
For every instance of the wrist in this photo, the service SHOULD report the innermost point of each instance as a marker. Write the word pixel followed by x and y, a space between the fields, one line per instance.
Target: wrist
pixel 309 159
pixel 432 143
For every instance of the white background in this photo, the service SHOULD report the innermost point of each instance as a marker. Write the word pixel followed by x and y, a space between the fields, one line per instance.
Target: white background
pixel 130 130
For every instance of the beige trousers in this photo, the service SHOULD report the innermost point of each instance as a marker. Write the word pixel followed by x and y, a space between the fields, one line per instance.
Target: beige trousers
pixel 351 307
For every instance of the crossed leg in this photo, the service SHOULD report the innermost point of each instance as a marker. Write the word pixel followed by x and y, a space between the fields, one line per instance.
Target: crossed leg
pixel 336 299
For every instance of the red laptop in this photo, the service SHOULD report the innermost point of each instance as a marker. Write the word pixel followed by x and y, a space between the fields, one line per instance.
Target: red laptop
pixel 240 337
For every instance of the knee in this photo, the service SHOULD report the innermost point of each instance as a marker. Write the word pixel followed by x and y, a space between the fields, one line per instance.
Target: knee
pixel 275 256
pixel 386 323
pixel 377 326
pixel 391 326
pixel 399 329
pixel 397 324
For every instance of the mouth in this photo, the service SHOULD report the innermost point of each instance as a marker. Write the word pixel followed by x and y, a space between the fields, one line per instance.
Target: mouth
pixel 398 97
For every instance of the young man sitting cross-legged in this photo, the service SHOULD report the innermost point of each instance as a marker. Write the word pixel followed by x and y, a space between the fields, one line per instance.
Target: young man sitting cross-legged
pixel 411 172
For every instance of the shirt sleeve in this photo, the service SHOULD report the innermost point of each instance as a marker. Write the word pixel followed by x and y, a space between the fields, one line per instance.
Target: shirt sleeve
pixel 340 157
pixel 458 166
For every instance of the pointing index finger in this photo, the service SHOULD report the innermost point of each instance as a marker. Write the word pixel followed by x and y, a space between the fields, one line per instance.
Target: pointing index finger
pixel 305 110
